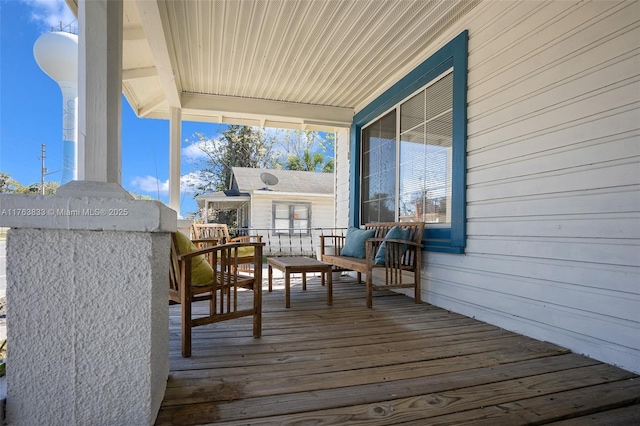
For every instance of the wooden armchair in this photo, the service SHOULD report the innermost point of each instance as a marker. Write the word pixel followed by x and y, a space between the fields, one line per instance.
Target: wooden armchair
pixel 211 274
pixel 203 233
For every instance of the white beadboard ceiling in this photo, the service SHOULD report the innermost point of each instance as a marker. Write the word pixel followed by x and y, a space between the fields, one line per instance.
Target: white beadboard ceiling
pixel 281 63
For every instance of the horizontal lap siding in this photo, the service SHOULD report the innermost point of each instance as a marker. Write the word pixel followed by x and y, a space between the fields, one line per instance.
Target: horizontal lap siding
pixel 342 179
pixel 553 178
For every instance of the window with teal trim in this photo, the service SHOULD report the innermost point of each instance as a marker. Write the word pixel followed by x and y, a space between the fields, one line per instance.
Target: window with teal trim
pixel 411 151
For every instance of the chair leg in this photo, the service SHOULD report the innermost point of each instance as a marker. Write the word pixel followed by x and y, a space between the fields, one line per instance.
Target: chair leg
pixel 369 287
pixel 257 309
pixel 417 282
pixel 186 329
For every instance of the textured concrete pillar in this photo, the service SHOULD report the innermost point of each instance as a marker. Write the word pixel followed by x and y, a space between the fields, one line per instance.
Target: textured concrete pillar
pixel 88 322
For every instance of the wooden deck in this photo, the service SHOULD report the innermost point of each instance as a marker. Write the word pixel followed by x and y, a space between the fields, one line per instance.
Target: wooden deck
pixel 397 363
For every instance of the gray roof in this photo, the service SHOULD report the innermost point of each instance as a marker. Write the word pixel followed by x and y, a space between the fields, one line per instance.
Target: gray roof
pixel 247 179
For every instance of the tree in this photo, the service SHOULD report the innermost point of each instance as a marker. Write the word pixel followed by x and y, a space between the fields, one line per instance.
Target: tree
pixel 239 146
pixel 309 163
pixel 307 150
pixel 137 196
pixel 9 185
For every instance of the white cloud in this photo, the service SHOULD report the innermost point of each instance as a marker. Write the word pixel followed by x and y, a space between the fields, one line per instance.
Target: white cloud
pixel 195 151
pixel 50 13
pixel 152 185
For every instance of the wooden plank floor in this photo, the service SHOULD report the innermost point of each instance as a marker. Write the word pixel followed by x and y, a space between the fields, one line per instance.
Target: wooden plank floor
pixel 399 363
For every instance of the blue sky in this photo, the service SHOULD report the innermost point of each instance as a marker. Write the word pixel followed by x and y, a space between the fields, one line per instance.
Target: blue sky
pixel 31 112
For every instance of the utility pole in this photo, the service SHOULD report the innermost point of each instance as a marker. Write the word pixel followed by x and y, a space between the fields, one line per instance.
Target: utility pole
pixel 43 168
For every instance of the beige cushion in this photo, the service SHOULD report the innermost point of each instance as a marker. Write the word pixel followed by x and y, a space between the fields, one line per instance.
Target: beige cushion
pixel 201 271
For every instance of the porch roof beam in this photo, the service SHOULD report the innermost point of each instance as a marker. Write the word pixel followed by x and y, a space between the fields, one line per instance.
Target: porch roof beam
pixel 261 109
pixel 146 109
pixel 133 73
pixel 151 15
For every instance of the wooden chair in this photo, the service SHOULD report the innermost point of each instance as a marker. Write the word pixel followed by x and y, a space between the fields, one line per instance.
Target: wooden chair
pixel 202 233
pixel 218 284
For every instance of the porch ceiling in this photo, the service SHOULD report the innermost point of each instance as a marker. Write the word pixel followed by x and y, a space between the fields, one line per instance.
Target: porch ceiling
pixel 279 63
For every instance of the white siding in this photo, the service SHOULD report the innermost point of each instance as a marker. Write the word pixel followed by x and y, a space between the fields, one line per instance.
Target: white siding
pixel 553 178
pixel 342 178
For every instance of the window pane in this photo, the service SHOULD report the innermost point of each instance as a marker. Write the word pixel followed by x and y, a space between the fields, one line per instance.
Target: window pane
pixel 282 211
pixel 379 169
pixel 387 210
pixel 300 211
pixel 413 112
pixel 425 154
pixel 300 222
pixel 368 210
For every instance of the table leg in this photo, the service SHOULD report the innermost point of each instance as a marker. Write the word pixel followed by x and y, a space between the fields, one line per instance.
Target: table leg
pixel 329 287
pixel 304 280
pixel 287 289
pixel 270 277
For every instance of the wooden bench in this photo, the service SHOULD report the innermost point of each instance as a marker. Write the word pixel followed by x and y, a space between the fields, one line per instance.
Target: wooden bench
pixel 402 257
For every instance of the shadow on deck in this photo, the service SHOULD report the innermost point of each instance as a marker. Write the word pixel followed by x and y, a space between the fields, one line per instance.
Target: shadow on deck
pixel 397 363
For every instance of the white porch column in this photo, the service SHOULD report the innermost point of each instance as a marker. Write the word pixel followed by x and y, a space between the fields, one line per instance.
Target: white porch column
pixel 175 130
pixel 100 90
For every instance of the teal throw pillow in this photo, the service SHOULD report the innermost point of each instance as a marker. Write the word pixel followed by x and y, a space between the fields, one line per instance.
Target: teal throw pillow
pixel 354 245
pixel 394 233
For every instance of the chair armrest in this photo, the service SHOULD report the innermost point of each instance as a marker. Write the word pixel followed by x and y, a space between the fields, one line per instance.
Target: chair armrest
pixel 336 241
pixel 246 239
pixel 219 247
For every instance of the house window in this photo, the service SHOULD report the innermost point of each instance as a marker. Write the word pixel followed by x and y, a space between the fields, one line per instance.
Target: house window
pixel 410 144
pixel 406 163
pixel 291 218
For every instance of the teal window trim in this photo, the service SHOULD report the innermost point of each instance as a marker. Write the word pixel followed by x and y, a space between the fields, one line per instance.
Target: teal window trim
pixel 454 54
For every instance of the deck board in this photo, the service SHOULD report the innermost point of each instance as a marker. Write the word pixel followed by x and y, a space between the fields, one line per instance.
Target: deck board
pixel 396 363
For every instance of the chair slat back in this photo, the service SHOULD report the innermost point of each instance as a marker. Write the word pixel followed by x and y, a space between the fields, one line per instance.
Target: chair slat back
pixel 211 230
pixel 414 229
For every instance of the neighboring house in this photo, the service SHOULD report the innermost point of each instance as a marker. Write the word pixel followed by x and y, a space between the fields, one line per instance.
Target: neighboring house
pixel 288 214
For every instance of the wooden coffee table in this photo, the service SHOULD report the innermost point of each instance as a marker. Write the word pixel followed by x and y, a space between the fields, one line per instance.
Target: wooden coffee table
pixel 302 265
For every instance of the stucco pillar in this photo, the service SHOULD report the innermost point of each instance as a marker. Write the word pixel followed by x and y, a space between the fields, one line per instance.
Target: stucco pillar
pixel 87 275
